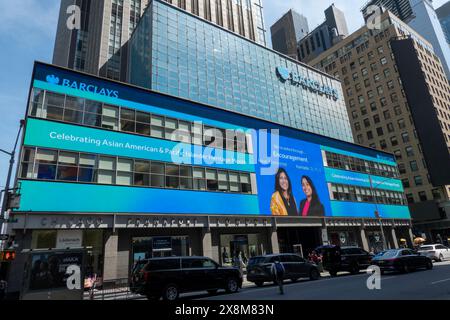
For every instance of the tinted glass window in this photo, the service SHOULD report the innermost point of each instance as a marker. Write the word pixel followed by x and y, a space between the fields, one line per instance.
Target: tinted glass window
pixel 297 259
pixel 256 260
pixel 389 254
pixel 197 263
pixel 406 253
pixel 272 259
pixel 168 264
pixel 426 248
pixel 286 259
pixel 440 247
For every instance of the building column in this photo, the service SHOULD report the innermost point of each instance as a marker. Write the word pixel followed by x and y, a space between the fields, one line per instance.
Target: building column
pixel 274 240
pixel 110 260
pixel 325 239
pixel 364 242
pixel 394 238
pixel 411 236
pixel 207 243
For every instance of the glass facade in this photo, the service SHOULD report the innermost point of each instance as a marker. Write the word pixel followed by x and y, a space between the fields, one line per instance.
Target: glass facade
pixel 179 54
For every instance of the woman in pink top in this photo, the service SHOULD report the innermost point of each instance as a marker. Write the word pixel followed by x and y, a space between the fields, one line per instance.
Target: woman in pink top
pixel 311 206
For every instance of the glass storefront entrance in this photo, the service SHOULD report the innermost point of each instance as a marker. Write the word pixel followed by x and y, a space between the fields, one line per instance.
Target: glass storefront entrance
pixel 244 247
pixel 158 247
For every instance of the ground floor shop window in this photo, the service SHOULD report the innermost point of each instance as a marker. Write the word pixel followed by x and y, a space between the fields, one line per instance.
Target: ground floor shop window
pixel 375 241
pixel 157 247
pixel 343 239
pixel 235 248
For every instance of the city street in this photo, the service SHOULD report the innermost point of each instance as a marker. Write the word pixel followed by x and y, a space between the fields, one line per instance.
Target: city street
pixel 433 285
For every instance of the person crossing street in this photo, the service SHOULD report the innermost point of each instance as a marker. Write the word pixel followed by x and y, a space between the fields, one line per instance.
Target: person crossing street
pixel 278 272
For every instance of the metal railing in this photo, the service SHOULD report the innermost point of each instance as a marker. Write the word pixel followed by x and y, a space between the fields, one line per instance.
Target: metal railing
pixel 117 289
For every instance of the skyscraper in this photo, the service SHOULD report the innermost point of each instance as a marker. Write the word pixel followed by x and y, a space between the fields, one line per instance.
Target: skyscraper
pixel 443 14
pixel 421 16
pixel 100 46
pixel 330 32
pixel 398 100
pixel 287 31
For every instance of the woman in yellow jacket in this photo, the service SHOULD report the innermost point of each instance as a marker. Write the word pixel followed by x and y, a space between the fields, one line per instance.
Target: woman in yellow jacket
pixel 283 201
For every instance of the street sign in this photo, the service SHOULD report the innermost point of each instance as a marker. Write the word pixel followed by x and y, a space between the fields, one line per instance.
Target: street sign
pixel 4 237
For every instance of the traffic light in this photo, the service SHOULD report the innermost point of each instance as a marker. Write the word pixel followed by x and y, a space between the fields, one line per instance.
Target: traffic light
pixel 7 255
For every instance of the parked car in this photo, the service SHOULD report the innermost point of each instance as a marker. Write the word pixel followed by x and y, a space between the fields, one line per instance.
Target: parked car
pixel 401 260
pixel 350 259
pixel 259 268
pixel 168 277
pixel 436 252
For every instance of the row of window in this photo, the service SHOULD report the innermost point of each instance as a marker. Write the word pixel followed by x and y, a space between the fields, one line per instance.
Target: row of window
pixel 54 165
pixel 341 192
pixel 54 106
pixel 339 161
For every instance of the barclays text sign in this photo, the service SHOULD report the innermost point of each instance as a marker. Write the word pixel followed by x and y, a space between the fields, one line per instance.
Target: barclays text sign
pixel 315 86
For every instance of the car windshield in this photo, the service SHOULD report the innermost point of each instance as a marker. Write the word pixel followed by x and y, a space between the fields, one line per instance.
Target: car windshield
pixel 426 248
pixel 139 265
pixel 388 254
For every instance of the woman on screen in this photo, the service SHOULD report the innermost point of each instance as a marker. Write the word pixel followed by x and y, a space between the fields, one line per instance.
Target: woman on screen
pixel 311 206
pixel 283 201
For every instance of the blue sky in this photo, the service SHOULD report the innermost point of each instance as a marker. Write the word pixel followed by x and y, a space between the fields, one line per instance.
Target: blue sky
pixel 27 33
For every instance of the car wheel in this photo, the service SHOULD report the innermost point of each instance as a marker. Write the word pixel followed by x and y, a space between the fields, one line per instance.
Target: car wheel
pixel 314 274
pixel 294 279
pixel 259 283
pixel 441 258
pixel 333 273
pixel 232 285
pixel 171 292
pixel 212 292
pixel 429 265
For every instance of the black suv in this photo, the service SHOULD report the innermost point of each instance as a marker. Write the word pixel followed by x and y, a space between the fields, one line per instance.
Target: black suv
pixel 259 268
pixel 168 277
pixel 351 259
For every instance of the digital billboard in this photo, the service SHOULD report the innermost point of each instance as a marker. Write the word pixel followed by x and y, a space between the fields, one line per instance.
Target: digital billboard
pixel 283 171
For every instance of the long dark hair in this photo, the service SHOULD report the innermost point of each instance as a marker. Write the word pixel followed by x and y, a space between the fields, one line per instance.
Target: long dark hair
pixel 277 183
pixel 315 196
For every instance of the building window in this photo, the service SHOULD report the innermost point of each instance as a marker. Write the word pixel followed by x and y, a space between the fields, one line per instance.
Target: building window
pixel 414 166
pixel 394 141
pixel 410 198
pixel 409 151
pixel 405 137
pixel 418 180
pixel 405 183
pixel 423 196
pixel 43 164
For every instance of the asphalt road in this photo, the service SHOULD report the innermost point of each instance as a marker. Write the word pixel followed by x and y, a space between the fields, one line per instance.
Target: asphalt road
pixel 422 284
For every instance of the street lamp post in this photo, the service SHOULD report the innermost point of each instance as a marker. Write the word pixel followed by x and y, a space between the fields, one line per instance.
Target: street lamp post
pixel 12 156
pixel 377 212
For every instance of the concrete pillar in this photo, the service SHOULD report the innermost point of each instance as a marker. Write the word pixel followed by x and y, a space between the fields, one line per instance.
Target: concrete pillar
pixel 364 241
pixel 207 243
pixel 411 236
pixel 325 240
pixel 394 238
pixel 274 241
pixel 110 262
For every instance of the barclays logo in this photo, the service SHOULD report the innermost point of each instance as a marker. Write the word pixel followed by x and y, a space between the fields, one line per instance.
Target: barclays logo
pixel 52 79
pixel 297 80
pixel 283 73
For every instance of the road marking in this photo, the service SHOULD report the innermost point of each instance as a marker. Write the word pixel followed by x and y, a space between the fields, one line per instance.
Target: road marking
pixel 440 281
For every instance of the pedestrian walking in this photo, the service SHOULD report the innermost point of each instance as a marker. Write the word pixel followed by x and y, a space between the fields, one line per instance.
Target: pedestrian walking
pixel 3 289
pixel 278 272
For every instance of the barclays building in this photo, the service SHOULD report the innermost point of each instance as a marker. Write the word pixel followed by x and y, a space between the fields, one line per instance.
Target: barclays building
pixel 99 164
pixel 174 52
